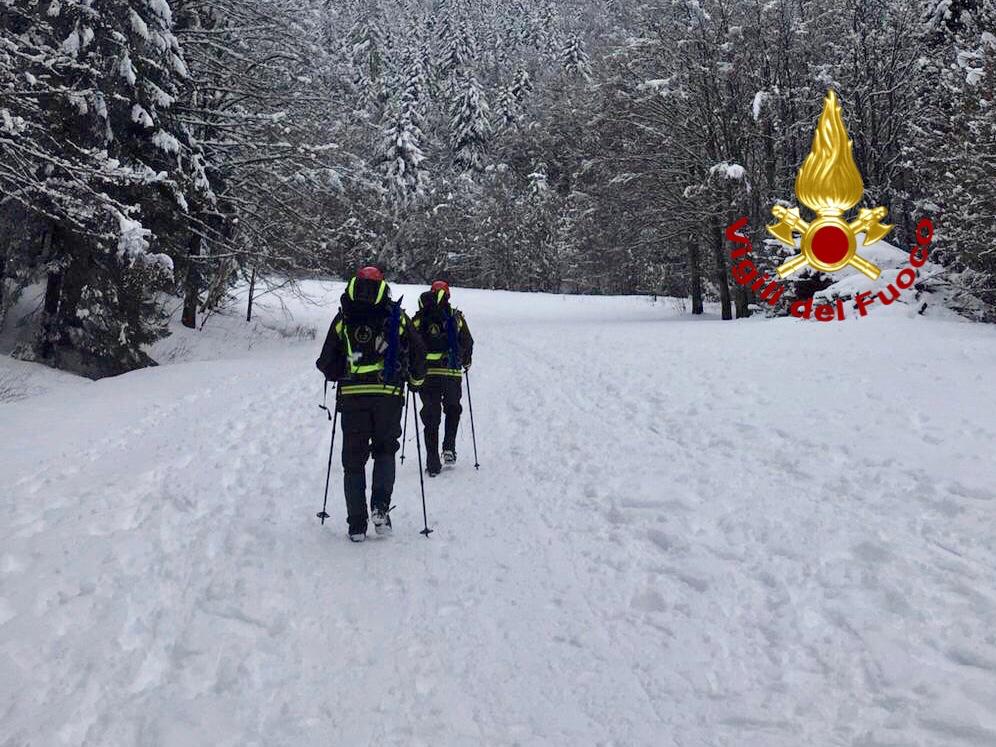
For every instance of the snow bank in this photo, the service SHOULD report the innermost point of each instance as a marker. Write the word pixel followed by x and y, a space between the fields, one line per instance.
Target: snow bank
pixel 927 295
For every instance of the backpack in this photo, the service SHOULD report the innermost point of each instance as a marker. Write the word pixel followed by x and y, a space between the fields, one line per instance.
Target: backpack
pixel 441 330
pixel 372 338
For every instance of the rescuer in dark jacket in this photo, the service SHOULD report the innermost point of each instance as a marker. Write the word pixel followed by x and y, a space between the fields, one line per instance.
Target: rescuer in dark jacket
pixel 450 349
pixel 373 351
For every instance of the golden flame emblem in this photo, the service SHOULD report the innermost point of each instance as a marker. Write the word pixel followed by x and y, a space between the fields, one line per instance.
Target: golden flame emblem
pixel 829 184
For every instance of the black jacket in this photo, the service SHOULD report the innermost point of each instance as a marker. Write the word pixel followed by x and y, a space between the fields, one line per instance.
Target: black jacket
pixel 358 348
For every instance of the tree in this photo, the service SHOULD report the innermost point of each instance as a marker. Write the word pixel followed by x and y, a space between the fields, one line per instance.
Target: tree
pixel 402 160
pixel 92 146
pixel 470 126
pixel 574 60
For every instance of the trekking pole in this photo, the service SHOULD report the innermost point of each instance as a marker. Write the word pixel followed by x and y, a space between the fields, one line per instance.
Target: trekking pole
pixel 473 433
pixel 421 478
pixel 323 514
pixel 404 436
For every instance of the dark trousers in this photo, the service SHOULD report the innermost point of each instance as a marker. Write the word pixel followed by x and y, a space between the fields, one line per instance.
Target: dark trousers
pixel 440 394
pixel 371 426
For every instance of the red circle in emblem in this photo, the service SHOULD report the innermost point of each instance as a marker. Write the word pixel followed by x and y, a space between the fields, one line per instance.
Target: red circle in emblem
pixel 830 245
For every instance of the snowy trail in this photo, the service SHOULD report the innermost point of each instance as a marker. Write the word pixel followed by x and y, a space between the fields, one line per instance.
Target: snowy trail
pixel 683 532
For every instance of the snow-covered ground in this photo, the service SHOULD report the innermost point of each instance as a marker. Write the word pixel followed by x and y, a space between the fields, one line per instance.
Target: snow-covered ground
pixel 684 532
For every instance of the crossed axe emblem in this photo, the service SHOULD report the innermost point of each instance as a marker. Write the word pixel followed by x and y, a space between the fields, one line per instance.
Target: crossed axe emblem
pixel 829 243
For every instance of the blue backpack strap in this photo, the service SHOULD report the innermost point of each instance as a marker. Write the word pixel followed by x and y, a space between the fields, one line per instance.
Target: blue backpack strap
pixel 393 355
pixel 452 338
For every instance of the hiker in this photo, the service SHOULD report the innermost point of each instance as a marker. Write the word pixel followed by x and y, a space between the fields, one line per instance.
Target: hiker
pixel 450 349
pixel 373 351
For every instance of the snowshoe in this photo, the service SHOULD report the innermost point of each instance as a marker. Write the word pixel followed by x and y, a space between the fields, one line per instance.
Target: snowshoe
pixel 382 522
pixel 433 470
pixel 449 457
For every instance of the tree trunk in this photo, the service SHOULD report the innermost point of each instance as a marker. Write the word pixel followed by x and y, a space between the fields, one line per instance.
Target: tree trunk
pixel 722 273
pixel 695 272
pixel 189 316
pixel 741 301
pixel 50 311
pixel 3 267
pixel 73 278
pixel 50 315
pixel 192 285
pixel 742 294
pixel 252 290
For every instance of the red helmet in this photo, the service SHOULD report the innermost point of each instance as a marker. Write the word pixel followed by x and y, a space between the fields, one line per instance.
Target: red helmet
pixel 370 273
pixel 441 285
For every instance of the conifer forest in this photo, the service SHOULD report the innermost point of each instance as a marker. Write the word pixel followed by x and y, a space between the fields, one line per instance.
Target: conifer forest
pixel 153 153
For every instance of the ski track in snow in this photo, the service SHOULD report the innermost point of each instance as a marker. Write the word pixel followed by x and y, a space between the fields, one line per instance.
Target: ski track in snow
pixel 683 533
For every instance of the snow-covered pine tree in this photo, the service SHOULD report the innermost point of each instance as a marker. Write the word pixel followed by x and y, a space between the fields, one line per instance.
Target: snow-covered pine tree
pixel 415 87
pixel 547 36
pixel 368 52
pixel 511 101
pixel 522 84
pixel 507 110
pixel 461 52
pixel 543 239
pixel 574 60
pixel 470 126
pixel 402 158
pixel 107 165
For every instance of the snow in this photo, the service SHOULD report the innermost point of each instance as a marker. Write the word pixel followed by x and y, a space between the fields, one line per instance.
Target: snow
pixel 164 141
pixel 684 532
pixel 929 288
pixel 133 237
pixel 179 66
pixel 158 95
pixel 728 170
pixel 140 116
pixel 12 125
pixel 138 24
pixel 71 45
pixel 127 69
pixel 759 99
pixel 161 8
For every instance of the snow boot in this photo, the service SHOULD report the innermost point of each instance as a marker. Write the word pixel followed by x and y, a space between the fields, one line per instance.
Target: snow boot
pixel 449 457
pixel 357 530
pixel 382 522
pixel 432 464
